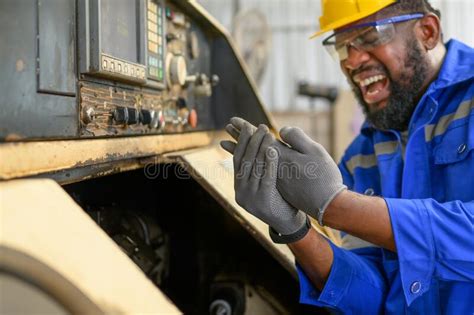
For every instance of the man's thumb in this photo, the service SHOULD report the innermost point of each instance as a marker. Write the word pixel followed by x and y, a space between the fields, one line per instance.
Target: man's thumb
pixel 297 139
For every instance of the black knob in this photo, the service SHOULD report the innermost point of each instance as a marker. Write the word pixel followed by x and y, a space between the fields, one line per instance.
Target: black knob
pixel 133 116
pixel 146 116
pixel 120 115
pixel 181 103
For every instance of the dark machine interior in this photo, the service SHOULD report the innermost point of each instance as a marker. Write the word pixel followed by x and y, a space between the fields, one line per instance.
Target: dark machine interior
pixel 183 240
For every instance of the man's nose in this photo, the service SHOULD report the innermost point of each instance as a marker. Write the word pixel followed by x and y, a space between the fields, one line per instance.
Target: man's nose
pixel 355 58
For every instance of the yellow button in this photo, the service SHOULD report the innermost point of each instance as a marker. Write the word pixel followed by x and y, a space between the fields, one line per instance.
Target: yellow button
pixel 152 16
pixel 152 6
pixel 152 37
pixel 152 26
pixel 153 47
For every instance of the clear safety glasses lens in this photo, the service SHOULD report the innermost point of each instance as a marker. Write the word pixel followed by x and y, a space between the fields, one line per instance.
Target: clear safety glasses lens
pixel 364 39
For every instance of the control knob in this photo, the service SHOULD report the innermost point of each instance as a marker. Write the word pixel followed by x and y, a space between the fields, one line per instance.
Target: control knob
pixel 125 115
pixel 120 115
pixel 152 118
pixel 146 116
pixel 177 69
pixel 133 116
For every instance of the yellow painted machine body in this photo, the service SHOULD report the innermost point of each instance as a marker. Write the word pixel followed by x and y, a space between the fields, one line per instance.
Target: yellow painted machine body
pixel 114 196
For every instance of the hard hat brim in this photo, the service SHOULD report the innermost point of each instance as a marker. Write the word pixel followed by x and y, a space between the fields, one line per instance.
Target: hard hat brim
pixel 346 21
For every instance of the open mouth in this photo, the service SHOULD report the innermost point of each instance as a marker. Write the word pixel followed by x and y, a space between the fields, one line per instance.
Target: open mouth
pixel 374 88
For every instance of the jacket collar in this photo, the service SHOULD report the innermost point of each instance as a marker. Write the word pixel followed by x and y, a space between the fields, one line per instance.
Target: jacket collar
pixel 458 65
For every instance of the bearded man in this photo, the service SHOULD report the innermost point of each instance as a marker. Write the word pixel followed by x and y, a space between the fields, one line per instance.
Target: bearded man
pixel 405 186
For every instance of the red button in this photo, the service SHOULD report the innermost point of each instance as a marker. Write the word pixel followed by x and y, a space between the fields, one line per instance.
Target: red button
pixel 193 118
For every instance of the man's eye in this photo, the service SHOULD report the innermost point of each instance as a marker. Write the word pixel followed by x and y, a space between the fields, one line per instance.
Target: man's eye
pixel 368 38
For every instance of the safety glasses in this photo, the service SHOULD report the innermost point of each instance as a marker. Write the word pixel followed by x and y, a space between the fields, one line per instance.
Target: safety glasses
pixel 365 37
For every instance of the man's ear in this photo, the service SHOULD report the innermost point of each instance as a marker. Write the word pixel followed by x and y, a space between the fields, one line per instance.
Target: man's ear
pixel 429 31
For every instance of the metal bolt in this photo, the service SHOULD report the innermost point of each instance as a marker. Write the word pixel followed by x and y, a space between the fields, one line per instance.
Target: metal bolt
pixel 88 115
pixel 220 307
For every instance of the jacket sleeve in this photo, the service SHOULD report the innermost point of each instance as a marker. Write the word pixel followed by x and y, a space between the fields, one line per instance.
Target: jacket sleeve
pixel 433 240
pixel 355 284
pixel 346 175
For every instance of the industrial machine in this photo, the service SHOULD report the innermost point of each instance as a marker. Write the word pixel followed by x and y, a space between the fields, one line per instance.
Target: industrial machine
pixel 114 195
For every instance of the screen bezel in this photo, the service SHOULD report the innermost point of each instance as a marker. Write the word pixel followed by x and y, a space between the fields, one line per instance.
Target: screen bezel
pixel 91 47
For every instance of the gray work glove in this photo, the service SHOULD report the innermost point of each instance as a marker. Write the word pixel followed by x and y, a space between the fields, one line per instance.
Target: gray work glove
pixel 308 177
pixel 233 129
pixel 255 176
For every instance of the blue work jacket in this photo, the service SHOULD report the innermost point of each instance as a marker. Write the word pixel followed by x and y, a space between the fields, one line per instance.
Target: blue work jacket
pixel 429 192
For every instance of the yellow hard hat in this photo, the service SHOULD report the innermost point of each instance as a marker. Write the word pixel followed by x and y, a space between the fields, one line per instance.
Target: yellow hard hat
pixel 337 13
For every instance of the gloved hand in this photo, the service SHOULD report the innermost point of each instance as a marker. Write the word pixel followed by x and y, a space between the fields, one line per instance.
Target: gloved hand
pixel 235 126
pixel 255 176
pixel 308 177
pixel 312 178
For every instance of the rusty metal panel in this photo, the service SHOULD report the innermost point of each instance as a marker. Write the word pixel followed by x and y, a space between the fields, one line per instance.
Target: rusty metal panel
pixel 25 113
pixel 56 50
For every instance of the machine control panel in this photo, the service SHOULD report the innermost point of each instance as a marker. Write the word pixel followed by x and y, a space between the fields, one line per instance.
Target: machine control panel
pixel 166 91
pixel 113 68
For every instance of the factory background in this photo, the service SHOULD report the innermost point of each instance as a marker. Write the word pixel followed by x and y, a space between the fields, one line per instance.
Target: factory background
pixel 294 58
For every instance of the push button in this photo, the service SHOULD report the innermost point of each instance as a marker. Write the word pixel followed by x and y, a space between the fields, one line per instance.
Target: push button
pixel 193 118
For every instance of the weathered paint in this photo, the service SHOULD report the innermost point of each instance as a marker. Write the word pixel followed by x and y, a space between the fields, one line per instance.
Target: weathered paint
pixel 56 253
pixel 33 158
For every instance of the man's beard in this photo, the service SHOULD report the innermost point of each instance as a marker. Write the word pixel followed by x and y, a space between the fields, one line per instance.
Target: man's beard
pixel 403 92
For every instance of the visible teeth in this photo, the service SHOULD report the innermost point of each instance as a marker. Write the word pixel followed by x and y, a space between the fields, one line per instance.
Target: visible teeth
pixel 371 80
